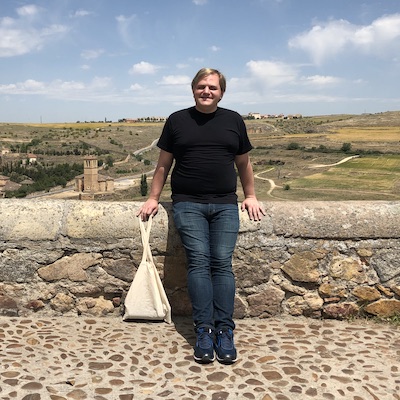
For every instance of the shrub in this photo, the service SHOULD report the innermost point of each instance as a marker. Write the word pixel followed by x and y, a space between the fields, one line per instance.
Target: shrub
pixel 293 146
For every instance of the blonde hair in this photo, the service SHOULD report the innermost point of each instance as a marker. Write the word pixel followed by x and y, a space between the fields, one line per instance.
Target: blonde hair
pixel 209 71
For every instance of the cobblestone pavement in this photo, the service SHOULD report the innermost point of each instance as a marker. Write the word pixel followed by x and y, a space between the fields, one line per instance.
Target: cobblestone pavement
pixel 279 359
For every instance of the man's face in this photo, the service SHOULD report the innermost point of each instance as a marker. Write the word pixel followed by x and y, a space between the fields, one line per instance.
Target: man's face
pixel 207 93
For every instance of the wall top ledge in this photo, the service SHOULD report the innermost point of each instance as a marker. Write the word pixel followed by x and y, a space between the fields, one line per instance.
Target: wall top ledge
pixel 38 220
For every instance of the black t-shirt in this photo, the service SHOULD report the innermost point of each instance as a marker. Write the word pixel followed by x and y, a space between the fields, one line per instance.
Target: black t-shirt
pixel 204 147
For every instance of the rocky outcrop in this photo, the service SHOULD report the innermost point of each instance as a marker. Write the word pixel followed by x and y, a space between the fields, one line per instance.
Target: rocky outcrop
pixel 317 259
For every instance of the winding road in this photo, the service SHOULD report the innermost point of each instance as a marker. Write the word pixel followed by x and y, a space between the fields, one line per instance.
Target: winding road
pixel 119 183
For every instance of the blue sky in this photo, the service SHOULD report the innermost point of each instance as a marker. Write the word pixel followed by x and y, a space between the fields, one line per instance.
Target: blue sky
pixel 70 60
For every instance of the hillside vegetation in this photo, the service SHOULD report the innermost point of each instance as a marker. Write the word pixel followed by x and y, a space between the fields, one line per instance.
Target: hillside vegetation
pixel 297 159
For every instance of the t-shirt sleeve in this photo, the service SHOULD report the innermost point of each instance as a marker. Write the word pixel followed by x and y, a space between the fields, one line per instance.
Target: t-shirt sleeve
pixel 245 145
pixel 165 140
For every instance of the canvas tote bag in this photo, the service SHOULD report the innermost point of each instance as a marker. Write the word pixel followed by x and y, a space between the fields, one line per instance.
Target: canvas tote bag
pixel 146 298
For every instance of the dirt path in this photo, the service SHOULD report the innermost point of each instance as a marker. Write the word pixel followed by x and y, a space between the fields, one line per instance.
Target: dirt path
pixel 331 165
pixel 273 185
pixel 270 181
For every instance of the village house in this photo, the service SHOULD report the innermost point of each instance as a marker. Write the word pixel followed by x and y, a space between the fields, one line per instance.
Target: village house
pixel 4 150
pixel 30 158
pixel 253 115
pixel 7 186
pixel 3 182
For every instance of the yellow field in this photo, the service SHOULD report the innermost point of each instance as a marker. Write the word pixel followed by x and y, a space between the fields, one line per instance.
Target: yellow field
pixel 348 135
pixel 367 134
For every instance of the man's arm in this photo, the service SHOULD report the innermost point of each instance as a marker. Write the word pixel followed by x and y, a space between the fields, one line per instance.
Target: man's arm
pixel 246 176
pixel 150 207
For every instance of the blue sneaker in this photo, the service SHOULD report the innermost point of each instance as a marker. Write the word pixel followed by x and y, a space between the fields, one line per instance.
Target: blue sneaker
pixel 225 347
pixel 204 348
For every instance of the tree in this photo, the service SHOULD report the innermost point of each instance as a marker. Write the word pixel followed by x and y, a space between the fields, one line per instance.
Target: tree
pixel 143 185
pixel 346 147
pixel 110 161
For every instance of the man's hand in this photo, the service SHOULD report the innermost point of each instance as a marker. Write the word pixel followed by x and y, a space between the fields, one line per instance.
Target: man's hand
pixel 254 208
pixel 150 207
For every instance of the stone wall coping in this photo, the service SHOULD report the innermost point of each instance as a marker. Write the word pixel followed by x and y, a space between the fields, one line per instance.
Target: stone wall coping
pixel 39 220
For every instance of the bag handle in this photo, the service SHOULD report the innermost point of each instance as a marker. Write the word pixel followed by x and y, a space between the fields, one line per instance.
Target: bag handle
pixel 145 233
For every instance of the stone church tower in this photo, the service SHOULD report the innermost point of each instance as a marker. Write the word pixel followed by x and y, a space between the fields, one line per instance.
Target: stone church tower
pixel 91 182
pixel 90 174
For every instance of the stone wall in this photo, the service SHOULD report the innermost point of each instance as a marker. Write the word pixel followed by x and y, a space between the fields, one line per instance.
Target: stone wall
pixel 318 259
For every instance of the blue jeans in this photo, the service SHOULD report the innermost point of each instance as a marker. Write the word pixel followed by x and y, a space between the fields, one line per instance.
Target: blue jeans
pixel 209 233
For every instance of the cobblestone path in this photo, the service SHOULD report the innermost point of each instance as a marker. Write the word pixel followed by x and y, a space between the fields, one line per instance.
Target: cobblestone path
pixel 279 359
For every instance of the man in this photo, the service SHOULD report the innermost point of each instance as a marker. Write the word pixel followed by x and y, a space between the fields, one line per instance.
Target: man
pixel 206 142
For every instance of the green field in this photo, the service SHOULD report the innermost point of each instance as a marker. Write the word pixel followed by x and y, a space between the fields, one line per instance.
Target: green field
pixel 357 179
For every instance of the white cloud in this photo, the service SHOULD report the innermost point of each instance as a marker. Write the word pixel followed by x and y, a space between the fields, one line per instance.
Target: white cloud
pixel 15 42
pixel 136 87
pixel 101 82
pixel 383 31
pixel 58 89
pixel 91 54
pixel 329 39
pixel 144 68
pixel 322 42
pixel 28 10
pixel 81 13
pixel 175 80
pixel 66 86
pixel 270 82
pixel 320 80
pixel 30 86
pixel 215 48
pixel 126 26
pixel 53 30
pixel 26 34
pixel 264 82
pixel 200 2
pixel 271 73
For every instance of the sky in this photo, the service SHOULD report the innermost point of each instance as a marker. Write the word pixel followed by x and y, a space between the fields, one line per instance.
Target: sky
pixel 91 60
